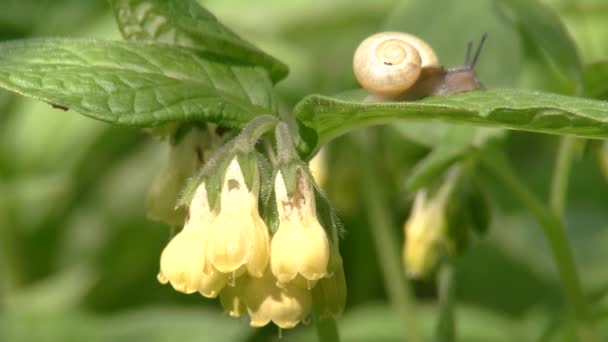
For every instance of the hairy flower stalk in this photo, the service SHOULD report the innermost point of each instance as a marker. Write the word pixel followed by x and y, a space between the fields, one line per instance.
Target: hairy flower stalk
pixel 238 237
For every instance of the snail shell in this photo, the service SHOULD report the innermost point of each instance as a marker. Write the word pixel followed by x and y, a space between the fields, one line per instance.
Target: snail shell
pixel 394 66
pixel 389 63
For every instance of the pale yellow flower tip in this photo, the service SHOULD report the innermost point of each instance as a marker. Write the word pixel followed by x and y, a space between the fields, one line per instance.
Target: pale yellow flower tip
pixel 329 296
pixel 239 239
pixel 212 282
pixel 285 307
pixel 424 231
pixel 183 259
pixel 300 246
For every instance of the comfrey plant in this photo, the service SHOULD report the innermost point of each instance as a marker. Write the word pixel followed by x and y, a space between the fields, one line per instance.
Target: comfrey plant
pixel 253 227
pixel 226 248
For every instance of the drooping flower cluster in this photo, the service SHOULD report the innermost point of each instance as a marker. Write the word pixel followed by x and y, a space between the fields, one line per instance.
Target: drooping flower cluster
pixel 225 249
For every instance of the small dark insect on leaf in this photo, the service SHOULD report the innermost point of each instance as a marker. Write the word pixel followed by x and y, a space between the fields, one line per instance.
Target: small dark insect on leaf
pixel 56 106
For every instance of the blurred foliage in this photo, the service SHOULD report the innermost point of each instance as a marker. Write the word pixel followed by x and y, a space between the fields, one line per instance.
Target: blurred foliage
pixel 78 259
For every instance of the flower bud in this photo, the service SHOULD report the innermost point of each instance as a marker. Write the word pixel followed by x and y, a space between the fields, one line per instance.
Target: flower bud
pixel 284 306
pixel 239 237
pixel 424 234
pixel 300 247
pixel 183 260
pixel 185 158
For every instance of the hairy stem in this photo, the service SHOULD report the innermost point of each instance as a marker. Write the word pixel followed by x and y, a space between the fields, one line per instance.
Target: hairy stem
pixel 385 240
pixel 554 232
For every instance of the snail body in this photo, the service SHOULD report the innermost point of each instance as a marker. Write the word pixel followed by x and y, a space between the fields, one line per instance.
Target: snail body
pixel 394 66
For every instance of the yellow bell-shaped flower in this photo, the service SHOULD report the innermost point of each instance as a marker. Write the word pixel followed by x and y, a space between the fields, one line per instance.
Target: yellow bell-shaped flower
pixel 284 306
pixel 239 237
pixel 424 234
pixel 182 262
pixel 300 247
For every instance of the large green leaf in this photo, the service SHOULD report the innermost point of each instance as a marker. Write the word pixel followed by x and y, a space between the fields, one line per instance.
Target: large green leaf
pixel 545 28
pixel 137 84
pixel 186 23
pixel 323 118
pixel 594 78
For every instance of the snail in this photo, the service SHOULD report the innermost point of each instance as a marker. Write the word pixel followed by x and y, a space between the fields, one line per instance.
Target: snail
pixel 395 66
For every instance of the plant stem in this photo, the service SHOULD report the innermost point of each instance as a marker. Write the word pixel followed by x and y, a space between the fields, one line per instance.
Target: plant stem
pixel 387 250
pixel 327 330
pixel 559 186
pixel 554 233
pixel 445 330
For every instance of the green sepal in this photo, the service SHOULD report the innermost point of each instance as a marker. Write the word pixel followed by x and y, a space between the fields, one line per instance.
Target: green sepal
pixel 249 167
pixel 328 218
pixel 212 173
pixel 479 210
pixel 270 213
pixel 241 147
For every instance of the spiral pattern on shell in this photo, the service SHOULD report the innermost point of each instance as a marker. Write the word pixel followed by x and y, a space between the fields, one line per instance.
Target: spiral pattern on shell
pixel 389 63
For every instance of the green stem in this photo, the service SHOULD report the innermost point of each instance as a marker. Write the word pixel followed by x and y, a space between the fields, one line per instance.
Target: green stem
pixel 445 331
pixel 385 241
pixel 554 233
pixel 327 330
pixel 559 186
pixel 10 275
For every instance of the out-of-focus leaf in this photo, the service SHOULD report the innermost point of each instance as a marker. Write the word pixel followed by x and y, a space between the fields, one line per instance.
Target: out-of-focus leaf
pixel 135 84
pixel 186 23
pixel 60 293
pixel 454 146
pixel 466 22
pixel 153 325
pixel 379 323
pixel 19 18
pixel 547 31
pixel 480 211
pixel 595 80
pixel 539 73
pixel 323 118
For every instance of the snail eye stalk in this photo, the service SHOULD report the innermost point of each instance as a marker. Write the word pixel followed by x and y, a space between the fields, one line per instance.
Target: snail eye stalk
pixel 478 51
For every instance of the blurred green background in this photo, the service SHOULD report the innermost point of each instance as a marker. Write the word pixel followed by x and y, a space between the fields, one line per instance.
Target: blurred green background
pixel 78 259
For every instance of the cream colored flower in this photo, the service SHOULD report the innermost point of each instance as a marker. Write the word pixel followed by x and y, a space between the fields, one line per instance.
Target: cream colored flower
pixel 285 307
pixel 299 248
pixel 239 237
pixel 424 232
pixel 182 262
